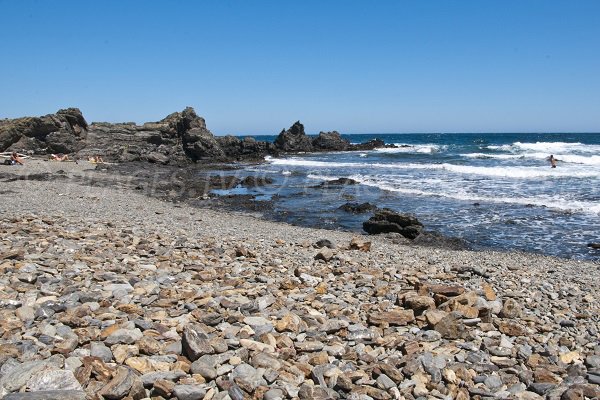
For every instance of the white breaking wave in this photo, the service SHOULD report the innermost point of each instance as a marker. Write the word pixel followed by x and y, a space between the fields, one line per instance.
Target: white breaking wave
pixel 409 148
pixel 566 158
pixel 521 172
pixel 503 172
pixel 551 202
pixel 549 147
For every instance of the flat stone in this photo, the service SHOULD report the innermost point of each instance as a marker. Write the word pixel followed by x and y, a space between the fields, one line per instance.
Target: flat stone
pixel 124 336
pixel 151 377
pixel 398 317
pixel 189 392
pixel 53 380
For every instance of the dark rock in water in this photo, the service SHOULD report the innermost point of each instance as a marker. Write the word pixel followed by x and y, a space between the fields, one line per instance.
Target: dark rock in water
pixel 386 220
pixel 294 139
pixel 223 182
pixel 594 245
pixel 372 144
pixel 337 182
pixel 251 181
pixel 357 208
pixel 63 132
pixel 330 141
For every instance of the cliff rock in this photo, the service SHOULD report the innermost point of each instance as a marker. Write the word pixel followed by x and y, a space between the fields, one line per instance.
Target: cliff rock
pixel 63 132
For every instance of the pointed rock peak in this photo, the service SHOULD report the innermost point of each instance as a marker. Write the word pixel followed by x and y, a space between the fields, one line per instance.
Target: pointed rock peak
pixel 296 129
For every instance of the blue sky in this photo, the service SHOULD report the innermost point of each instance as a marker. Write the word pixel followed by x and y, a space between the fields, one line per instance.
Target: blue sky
pixel 255 67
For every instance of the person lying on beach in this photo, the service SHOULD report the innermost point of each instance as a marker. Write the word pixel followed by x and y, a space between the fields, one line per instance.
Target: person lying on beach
pixel 96 160
pixel 15 159
pixel 59 157
pixel 552 161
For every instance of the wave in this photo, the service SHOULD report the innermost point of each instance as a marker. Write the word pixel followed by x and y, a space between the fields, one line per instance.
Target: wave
pixel 513 172
pixel 550 202
pixel 410 148
pixel 547 147
pixel 567 158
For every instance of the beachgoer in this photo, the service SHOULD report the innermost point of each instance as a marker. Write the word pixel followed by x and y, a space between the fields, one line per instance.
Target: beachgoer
pixel 96 159
pixel 552 160
pixel 15 159
pixel 59 157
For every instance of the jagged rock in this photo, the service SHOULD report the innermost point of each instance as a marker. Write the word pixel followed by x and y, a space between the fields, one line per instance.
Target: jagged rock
pixel 386 220
pixel 294 139
pixel 330 141
pixel 63 132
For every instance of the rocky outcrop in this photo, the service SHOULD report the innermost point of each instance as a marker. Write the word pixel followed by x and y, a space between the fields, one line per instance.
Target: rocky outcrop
pixel 180 138
pixel 247 148
pixel 386 221
pixel 294 139
pixel 63 132
pixel 330 141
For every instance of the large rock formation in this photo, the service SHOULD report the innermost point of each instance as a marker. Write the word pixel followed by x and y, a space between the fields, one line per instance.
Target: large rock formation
pixel 63 132
pixel 330 141
pixel 179 138
pixel 294 139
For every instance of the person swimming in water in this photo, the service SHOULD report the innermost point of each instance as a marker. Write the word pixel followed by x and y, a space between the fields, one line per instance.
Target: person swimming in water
pixel 552 161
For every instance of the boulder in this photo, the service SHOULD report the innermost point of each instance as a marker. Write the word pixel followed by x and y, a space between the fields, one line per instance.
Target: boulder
pixel 386 220
pixel 330 141
pixel 294 139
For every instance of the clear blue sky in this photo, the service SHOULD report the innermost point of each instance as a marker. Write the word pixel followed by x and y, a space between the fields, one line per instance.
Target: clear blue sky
pixel 252 67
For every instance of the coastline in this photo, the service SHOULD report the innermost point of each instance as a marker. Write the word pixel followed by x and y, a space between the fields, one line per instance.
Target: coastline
pixel 343 314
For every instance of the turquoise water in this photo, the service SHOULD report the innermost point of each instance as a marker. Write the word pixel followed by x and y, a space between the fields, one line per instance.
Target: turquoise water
pixel 493 190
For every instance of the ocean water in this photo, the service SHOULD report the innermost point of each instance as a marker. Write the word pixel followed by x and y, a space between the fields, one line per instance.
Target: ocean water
pixel 492 190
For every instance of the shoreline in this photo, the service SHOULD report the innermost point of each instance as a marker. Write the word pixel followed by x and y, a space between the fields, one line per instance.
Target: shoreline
pixel 167 298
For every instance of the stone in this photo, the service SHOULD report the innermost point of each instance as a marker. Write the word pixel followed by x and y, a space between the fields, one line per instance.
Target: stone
pixel 510 309
pixel 246 375
pixel 419 304
pixel 189 392
pixel 195 343
pixel 324 254
pixel 451 326
pixel 124 336
pixel 53 380
pixel 99 349
pixel 398 317
pixel 358 243
pixel 120 385
pixel 512 328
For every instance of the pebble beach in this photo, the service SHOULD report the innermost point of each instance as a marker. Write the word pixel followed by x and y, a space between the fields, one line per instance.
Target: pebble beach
pixel 108 293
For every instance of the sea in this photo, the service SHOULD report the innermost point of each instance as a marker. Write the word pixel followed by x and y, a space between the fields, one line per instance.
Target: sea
pixel 493 190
